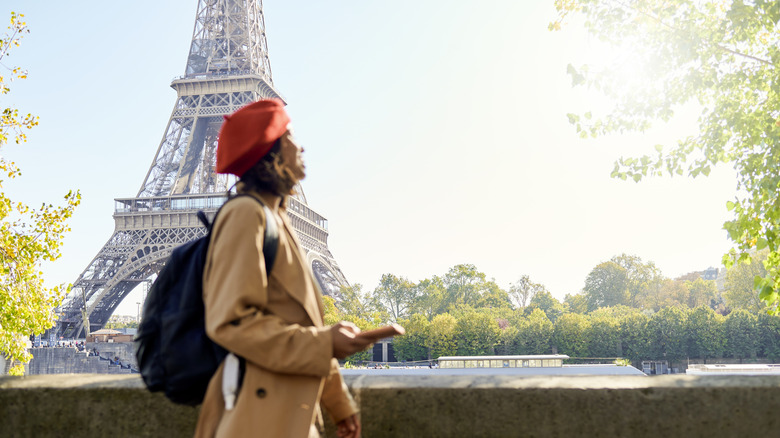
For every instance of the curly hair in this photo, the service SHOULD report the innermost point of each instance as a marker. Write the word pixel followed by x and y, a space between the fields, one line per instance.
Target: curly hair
pixel 269 175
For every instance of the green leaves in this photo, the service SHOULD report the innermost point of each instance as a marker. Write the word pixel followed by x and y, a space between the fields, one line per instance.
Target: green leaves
pixel 28 236
pixel 725 56
pixel 577 78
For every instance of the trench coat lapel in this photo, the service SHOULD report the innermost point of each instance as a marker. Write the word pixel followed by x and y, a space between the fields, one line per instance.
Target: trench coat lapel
pixel 307 294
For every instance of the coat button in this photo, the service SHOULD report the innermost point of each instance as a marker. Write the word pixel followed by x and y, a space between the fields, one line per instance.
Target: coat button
pixel 261 393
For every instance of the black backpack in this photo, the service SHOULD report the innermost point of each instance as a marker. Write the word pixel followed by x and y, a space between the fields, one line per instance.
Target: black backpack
pixel 173 352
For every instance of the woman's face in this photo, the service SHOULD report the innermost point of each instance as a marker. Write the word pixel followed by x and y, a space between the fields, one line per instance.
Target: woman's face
pixel 292 155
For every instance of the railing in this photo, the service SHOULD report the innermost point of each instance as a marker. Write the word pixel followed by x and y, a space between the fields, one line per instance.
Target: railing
pixel 166 203
pixel 217 75
pixel 530 361
pixel 305 212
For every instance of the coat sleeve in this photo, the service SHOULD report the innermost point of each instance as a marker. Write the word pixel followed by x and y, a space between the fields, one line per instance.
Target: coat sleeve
pixel 336 397
pixel 235 294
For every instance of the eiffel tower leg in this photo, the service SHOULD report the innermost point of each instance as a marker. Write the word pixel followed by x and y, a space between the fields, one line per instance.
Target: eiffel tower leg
pixel 312 231
pixel 137 250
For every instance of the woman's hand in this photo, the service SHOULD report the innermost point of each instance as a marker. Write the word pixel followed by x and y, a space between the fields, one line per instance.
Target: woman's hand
pixel 349 427
pixel 345 340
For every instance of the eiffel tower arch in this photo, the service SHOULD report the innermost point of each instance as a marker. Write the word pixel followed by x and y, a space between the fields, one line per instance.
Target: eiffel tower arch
pixel 227 68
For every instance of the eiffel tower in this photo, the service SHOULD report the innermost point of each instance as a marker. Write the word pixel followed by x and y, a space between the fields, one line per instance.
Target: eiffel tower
pixel 227 68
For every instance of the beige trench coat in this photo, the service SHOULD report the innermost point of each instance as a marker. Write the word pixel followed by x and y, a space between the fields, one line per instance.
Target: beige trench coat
pixel 275 323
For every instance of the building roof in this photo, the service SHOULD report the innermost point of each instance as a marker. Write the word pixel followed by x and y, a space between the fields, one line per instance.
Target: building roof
pixel 566 370
pixel 106 332
pixel 523 357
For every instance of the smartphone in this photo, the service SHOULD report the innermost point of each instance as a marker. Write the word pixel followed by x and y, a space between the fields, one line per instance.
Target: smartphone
pixel 383 332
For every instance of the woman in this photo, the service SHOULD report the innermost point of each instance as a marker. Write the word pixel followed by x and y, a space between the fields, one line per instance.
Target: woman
pixel 272 320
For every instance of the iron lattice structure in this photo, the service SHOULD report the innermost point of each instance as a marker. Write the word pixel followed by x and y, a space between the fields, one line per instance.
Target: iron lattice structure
pixel 227 68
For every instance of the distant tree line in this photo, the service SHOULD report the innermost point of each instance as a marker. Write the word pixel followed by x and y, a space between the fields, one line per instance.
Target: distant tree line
pixel 626 309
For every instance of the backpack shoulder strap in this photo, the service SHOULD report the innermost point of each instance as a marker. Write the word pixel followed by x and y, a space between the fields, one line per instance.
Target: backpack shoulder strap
pixel 270 236
pixel 270 239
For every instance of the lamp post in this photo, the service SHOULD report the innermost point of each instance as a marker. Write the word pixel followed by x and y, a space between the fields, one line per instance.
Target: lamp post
pixel 138 312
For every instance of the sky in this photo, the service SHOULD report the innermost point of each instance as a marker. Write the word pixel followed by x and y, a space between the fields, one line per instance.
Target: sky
pixel 435 134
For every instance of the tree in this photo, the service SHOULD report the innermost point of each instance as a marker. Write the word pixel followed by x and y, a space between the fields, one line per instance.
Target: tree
pixel 441 335
pixel 355 303
pixel 430 298
pixel 638 275
pixel 666 334
pixel 477 332
pixel 701 292
pixel 507 338
pixel 358 308
pixel 740 292
pixel 413 345
pixel 723 56
pixel 569 335
pixel 535 334
pixel 663 292
pixel 28 236
pixel 121 325
pixel 606 285
pixel 493 297
pixel 547 303
pixel 523 290
pixel 396 295
pixel 331 314
pixel 464 285
pixel 676 293
pixel 633 336
pixel 575 303
pixel 769 327
pixel 604 333
pixel 705 333
pixel 740 330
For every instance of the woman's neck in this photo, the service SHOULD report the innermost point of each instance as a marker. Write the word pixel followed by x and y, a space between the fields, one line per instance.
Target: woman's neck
pixel 272 200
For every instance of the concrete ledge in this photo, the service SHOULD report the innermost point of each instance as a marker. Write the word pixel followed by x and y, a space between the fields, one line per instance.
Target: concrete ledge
pixel 427 406
pixel 88 405
pixel 504 406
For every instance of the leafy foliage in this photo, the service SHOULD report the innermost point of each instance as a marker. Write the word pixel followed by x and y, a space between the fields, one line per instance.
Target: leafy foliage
pixel 395 295
pixel 28 236
pixel 523 291
pixel 441 336
pixel 477 333
pixel 464 285
pixel 570 335
pixel 357 308
pixel 633 336
pixel 704 333
pixel 535 334
pixel 701 292
pixel 666 333
pixel 412 346
pixel 660 319
pixel 603 335
pixel 430 297
pixel 544 301
pixel 740 330
pixel 720 55
pixel 606 285
pixel 740 279
pixel 575 303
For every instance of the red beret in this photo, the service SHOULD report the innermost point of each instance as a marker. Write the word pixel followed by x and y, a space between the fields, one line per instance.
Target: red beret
pixel 248 134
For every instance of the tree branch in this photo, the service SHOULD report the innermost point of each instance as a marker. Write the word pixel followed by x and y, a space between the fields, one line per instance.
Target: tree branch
pixel 674 29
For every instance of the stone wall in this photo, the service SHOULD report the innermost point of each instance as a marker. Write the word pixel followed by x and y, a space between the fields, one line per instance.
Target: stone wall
pixel 123 350
pixel 68 360
pixel 430 406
